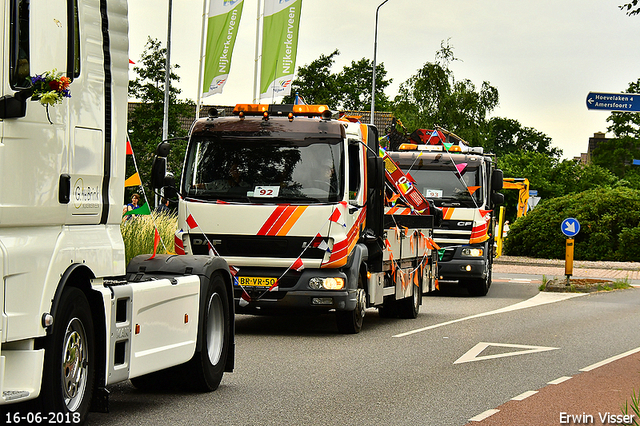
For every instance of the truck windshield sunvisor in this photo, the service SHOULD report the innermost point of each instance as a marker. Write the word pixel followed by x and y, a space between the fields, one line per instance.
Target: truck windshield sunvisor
pixel 263 170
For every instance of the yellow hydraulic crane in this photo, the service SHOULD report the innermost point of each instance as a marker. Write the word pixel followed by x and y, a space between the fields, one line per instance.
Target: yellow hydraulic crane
pixel 522 184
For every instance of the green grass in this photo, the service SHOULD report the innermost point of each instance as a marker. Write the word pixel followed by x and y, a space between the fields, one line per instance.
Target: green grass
pixel 543 286
pixel 138 234
pixel 635 401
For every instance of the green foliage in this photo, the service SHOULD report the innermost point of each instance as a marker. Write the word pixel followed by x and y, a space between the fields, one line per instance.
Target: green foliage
pixel 349 89
pixel 635 408
pixel 609 226
pixel 434 97
pixel 551 177
pixel 631 9
pixel 506 136
pixel 618 153
pixel 138 234
pixel 146 120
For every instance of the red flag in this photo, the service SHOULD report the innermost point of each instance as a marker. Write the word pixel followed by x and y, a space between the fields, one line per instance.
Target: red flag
pixel 191 222
pixel 298 265
pixel 178 245
pixel 129 149
pixel 131 62
pixel 336 216
pixel 156 240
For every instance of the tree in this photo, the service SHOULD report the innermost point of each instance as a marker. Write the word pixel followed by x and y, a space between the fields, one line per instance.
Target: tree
pixel 631 8
pixel 608 226
pixel 315 82
pixel 433 97
pixel 618 153
pixel 146 120
pixel 551 177
pixel 349 89
pixel 506 136
pixel 355 84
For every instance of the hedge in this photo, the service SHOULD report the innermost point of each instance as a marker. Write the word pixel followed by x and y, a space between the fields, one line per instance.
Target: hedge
pixel 609 226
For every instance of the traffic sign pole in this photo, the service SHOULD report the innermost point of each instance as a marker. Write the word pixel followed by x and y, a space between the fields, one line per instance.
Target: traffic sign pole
pixel 568 259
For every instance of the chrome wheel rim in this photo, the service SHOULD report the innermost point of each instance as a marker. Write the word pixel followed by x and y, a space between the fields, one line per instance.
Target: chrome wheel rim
pixel 215 329
pixel 75 364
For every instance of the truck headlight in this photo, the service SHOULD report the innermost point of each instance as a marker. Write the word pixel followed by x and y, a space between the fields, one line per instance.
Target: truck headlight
pixel 318 283
pixel 472 252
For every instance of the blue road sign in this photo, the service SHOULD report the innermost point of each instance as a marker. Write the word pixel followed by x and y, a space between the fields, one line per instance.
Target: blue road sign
pixel 625 102
pixel 570 227
pixel 636 162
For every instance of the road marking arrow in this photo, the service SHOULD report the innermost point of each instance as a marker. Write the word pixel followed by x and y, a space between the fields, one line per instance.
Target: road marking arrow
pixel 473 353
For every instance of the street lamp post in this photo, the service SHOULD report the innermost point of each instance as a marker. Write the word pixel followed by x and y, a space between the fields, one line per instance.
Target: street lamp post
pixel 375 48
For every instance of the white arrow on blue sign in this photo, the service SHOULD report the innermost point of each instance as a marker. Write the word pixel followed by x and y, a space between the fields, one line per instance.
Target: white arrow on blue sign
pixel 570 227
pixel 629 102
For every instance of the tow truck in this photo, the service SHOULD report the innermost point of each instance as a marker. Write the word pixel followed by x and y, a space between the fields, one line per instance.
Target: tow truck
pixel 293 197
pixel 464 182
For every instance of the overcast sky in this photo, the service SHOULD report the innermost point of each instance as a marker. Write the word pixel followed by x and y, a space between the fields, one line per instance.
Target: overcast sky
pixel 543 56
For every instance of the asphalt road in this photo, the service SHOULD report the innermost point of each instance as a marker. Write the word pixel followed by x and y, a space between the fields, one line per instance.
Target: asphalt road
pixel 461 357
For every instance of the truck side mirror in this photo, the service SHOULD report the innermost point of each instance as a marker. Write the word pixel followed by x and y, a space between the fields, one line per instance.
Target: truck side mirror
pixel 497 180
pixel 497 198
pixel 158 170
pixel 159 167
pixel 15 106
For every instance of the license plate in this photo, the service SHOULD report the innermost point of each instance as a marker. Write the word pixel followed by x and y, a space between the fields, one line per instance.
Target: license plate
pixel 257 281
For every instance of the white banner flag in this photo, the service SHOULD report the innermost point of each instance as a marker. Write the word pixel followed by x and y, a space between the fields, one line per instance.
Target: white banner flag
pixel 223 21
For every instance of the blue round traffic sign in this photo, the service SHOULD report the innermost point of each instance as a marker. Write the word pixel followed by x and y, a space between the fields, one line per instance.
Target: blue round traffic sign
pixel 570 227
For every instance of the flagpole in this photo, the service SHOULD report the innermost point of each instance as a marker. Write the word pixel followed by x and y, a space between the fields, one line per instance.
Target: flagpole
pixel 201 71
pixel 256 93
pixel 167 79
pixel 167 86
pixel 375 48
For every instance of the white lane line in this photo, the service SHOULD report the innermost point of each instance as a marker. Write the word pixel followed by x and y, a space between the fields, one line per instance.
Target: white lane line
pixel 559 380
pixel 608 360
pixel 541 298
pixel 524 395
pixel 480 417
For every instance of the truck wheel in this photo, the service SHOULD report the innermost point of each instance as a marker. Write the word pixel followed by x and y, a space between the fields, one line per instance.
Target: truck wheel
pixel 350 322
pixel 68 376
pixel 207 365
pixel 481 286
pixel 410 306
pixel 389 309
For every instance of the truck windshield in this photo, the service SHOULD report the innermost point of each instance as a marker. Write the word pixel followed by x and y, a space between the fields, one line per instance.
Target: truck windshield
pixel 444 186
pixel 264 170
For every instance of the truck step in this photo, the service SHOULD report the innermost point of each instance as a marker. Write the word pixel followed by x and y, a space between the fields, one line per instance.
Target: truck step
pixel 14 395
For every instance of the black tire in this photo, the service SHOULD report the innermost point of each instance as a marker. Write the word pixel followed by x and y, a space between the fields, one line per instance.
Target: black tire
pixel 409 307
pixel 480 287
pixel 350 322
pixel 207 365
pixel 389 309
pixel 69 365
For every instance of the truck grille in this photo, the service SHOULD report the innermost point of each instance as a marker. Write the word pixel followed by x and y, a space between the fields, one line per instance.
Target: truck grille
pixel 256 246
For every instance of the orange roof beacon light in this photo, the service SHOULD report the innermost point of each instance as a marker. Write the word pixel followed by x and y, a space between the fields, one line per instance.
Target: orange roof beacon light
pixel 287 110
